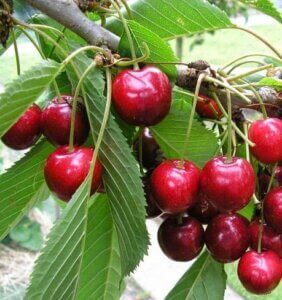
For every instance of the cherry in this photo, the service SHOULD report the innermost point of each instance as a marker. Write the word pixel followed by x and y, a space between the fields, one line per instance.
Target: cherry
pixel 56 122
pixel 208 108
pixel 26 131
pixel 270 239
pixel 175 186
pixel 278 175
pixel 272 209
pixel 267 136
pixel 203 210
pixel 228 186
pixel 260 273
pixel 150 149
pixel 227 237
pixel 181 241
pixel 65 171
pixel 142 97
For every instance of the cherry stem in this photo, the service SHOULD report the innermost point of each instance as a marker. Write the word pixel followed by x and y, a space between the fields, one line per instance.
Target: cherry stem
pixel 140 150
pixel 245 125
pixel 253 71
pixel 128 10
pixel 128 33
pixel 268 44
pixel 58 41
pixel 244 63
pixel 272 177
pixel 260 228
pixel 191 119
pixel 16 52
pixel 221 143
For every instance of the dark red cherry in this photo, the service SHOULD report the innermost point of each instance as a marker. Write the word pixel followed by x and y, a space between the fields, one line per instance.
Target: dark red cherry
pixel 175 186
pixel 150 149
pixel 26 131
pixel 272 209
pixel 227 237
pixel 142 97
pixel 228 186
pixel 270 239
pixel 260 273
pixel 181 242
pixel 267 136
pixel 56 122
pixel 278 175
pixel 208 108
pixel 65 171
pixel 203 210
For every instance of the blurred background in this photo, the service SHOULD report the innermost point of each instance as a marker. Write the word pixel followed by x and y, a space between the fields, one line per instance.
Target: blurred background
pixel 157 274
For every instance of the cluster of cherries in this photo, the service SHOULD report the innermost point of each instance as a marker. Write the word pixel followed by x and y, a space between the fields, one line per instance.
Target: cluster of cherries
pixel 186 196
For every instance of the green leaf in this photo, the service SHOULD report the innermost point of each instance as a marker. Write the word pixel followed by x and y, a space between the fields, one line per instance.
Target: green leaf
pixel 170 134
pixel 171 19
pixel 205 280
pixel 101 268
pixel 265 6
pixel 23 91
pixel 56 272
pixel 22 186
pixel 160 51
pixel 271 82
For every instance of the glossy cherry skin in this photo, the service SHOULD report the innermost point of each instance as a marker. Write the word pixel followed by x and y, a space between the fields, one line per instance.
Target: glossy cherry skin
pixel 26 131
pixel 260 273
pixel 227 237
pixel 150 149
pixel 65 171
pixel 56 122
pixel 228 186
pixel 208 108
pixel 270 239
pixel 142 97
pixel 267 136
pixel 272 209
pixel 175 186
pixel 203 210
pixel 181 242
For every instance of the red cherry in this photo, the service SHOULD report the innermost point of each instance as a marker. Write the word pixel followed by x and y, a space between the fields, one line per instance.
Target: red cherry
pixel 26 131
pixel 270 239
pixel 208 108
pixel 278 175
pixel 227 237
pixel 228 186
pixel 272 209
pixel 267 136
pixel 65 171
pixel 174 186
pixel 181 242
pixel 56 122
pixel 142 97
pixel 260 273
pixel 203 210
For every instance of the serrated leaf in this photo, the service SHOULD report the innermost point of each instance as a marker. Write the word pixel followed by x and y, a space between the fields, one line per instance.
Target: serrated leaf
pixel 171 19
pixel 271 82
pixel 22 186
pixel 24 91
pixel 170 134
pixel 205 280
pixel 101 269
pixel 56 272
pixel 265 6
pixel 160 51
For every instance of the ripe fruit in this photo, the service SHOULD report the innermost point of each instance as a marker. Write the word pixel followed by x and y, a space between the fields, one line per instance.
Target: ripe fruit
pixel 150 149
pixel 260 273
pixel 142 97
pixel 227 237
pixel 56 122
pixel 272 209
pixel 181 242
pixel 203 210
pixel 65 171
pixel 270 239
pixel 228 186
pixel 26 131
pixel 267 136
pixel 208 108
pixel 278 175
pixel 175 186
